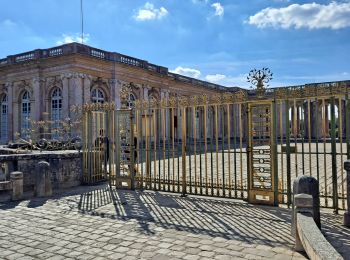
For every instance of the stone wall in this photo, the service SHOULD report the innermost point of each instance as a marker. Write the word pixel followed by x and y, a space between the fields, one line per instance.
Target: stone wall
pixel 65 167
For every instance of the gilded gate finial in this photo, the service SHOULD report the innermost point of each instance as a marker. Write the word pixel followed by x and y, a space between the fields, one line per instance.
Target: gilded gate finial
pixel 258 78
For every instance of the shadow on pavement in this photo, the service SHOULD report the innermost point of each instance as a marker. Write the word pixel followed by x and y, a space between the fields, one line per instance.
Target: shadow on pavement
pixel 224 218
pixel 337 234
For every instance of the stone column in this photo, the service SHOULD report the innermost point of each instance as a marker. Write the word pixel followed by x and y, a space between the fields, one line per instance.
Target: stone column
pixel 284 113
pixel 17 185
pixel 347 214
pixel 327 117
pixel 305 114
pixel 343 118
pixel 320 119
pixel 167 118
pixel 313 114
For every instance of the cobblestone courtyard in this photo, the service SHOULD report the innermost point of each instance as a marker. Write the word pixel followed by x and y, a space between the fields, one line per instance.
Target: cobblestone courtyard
pixel 95 223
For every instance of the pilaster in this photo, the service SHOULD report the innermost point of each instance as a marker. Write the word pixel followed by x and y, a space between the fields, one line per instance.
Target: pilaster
pixel 37 109
pixel 87 88
pixel 65 95
pixel 9 87
pixel 115 86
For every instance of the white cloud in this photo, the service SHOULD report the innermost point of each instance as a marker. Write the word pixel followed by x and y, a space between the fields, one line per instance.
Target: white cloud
pixel 215 77
pixel 149 12
pixel 312 15
pixel 193 73
pixel 232 81
pixel 8 23
pixel 219 9
pixel 69 38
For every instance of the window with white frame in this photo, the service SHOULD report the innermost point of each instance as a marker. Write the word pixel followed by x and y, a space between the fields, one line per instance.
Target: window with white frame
pixel 4 119
pixel 56 111
pixel 97 96
pixel 131 100
pixel 25 114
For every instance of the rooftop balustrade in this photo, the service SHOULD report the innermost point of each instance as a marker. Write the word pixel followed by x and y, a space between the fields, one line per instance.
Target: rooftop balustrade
pixel 77 48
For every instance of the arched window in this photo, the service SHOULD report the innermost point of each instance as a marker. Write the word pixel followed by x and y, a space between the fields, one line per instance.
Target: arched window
pixel 97 96
pixel 4 119
pixel 131 100
pixel 56 110
pixel 25 114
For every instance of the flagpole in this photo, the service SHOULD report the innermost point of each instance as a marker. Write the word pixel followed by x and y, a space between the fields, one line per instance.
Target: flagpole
pixel 82 21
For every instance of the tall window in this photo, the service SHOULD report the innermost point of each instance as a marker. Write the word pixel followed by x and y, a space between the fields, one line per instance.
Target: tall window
pixel 56 111
pixel 97 96
pixel 25 115
pixel 4 119
pixel 131 100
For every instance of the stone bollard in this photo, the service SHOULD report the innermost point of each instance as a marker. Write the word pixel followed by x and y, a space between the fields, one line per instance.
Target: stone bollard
pixel 303 203
pixel 309 185
pixel 43 187
pixel 17 185
pixel 347 214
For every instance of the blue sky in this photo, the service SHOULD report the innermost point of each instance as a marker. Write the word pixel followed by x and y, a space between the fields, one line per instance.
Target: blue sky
pixel 214 40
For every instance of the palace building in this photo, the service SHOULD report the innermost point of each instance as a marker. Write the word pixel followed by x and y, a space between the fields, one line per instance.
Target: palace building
pixel 43 84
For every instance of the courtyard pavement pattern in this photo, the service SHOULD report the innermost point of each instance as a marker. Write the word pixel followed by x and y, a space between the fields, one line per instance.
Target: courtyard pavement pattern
pixel 93 222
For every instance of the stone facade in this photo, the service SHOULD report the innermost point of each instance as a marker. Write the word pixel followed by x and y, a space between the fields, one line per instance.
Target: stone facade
pixel 43 84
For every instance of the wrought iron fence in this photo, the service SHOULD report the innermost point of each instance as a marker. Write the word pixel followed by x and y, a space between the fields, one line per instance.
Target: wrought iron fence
pixel 245 144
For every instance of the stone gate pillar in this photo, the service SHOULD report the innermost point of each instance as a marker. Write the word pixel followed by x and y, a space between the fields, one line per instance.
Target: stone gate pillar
pixel 17 185
pixel 43 187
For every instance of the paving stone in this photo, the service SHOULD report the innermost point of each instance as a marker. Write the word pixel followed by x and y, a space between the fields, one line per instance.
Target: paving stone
pixel 224 257
pixel 191 257
pixel 147 254
pixel 282 257
pixel 160 257
pixel 133 252
pixel 193 251
pixel 197 230
pixel 26 258
pixel 250 256
pixel 121 249
pixel 14 256
pixel 164 245
pixel 207 253
pixel 258 252
pixel 116 256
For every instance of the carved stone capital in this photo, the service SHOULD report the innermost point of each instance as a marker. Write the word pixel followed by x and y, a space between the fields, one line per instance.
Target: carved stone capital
pixel 112 82
pixel 3 88
pixel 54 81
pixel 99 82
pixel 39 80
pixel 66 76
pixel 8 84
pixel 77 75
